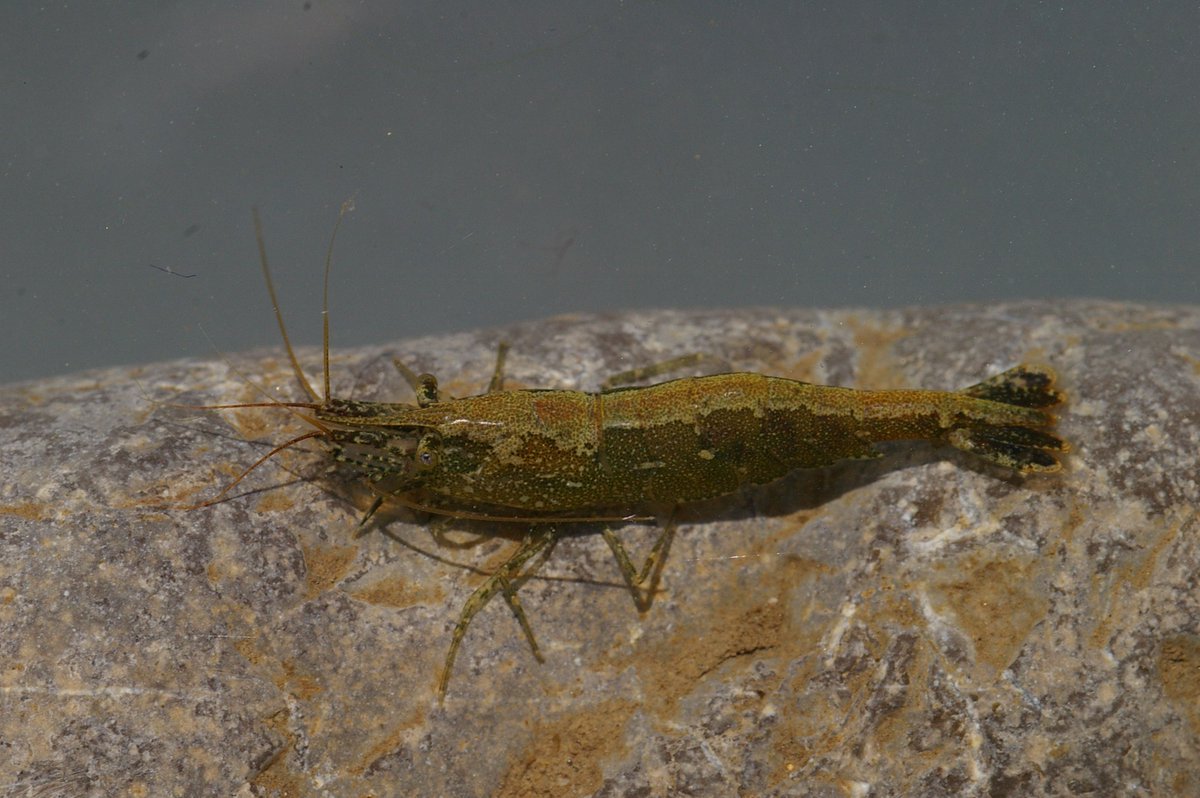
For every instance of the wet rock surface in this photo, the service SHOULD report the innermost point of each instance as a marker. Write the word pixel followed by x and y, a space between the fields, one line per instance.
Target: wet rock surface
pixel 915 625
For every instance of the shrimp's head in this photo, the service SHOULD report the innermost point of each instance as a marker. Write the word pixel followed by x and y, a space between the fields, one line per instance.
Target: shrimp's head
pixel 399 458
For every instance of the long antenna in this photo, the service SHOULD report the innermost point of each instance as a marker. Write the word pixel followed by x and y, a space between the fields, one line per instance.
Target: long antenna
pixel 347 206
pixel 287 343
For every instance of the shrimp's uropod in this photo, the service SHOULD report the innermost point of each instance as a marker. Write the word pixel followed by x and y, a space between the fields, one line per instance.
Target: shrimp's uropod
pixel 546 457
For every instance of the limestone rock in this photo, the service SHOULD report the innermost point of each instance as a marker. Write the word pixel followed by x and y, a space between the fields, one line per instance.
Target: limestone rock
pixel 917 625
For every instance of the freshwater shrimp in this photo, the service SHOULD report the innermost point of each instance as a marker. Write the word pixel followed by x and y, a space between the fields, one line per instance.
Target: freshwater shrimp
pixel 542 457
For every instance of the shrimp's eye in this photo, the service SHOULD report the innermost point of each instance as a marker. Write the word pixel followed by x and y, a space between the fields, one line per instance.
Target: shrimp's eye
pixel 428 451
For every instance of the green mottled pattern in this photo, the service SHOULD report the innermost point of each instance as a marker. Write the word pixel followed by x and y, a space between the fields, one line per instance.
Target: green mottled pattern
pixel 688 439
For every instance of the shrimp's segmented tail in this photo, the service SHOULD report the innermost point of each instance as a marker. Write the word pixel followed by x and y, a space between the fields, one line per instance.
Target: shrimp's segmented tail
pixel 1022 446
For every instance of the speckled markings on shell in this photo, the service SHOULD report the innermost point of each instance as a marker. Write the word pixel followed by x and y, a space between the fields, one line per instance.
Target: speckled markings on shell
pixel 569 452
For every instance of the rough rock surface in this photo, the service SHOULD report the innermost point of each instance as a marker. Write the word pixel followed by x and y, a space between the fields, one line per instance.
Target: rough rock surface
pixel 916 625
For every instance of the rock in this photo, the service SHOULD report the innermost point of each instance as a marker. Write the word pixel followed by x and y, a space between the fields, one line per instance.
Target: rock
pixel 916 625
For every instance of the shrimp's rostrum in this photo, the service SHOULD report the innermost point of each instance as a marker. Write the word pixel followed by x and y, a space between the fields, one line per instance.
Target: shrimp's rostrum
pixel 546 457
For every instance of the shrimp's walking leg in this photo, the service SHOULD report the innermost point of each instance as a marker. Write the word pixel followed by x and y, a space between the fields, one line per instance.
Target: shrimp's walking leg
pixel 425 385
pixel 367 516
pixel 507 581
pixel 497 382
pixel 652 565
pixel 653 370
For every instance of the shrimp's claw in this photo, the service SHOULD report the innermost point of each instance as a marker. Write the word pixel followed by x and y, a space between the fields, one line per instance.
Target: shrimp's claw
pixel 1014 437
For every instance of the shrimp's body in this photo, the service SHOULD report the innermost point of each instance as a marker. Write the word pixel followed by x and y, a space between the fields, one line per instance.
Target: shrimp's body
pixel 546 457
pixel 561 452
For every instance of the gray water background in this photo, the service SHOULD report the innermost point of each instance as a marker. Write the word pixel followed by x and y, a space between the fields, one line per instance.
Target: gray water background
pixel 515 160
